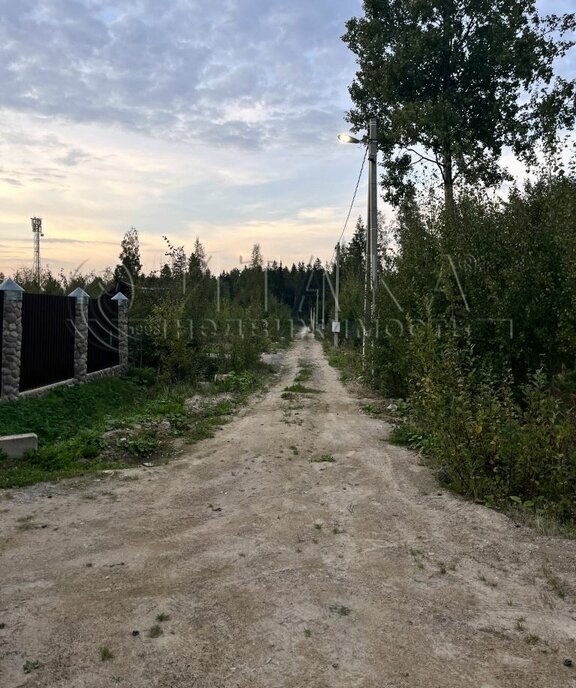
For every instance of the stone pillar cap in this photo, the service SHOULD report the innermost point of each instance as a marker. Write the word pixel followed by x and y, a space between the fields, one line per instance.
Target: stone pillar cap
pixel 10 285
pixel 120 297
pixel 79 293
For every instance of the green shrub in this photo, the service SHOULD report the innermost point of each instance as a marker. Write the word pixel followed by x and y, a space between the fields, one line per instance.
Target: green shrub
pixel 241 382
pixel 484 439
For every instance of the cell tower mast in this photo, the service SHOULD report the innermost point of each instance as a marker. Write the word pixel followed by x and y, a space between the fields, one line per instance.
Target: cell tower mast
pixel 37 230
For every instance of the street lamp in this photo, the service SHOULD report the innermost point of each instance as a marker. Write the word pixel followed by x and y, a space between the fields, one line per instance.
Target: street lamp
pixel 346 138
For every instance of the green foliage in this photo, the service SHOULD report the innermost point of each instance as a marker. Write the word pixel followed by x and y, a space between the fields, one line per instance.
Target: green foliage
pixel 477 328
pixel 142 376
pixel 305 372
pixel 63 458
pixel 106 654
pixel 487 439
pixel 140 445
pixel 325 458
pixel 407 435
pixel 451 83
pixel 155 631
pixel 242 382
pixel 202 430
pixel 104 405
pixel 58 414
pixel 31 665
pixel 340 610
pixel 130 262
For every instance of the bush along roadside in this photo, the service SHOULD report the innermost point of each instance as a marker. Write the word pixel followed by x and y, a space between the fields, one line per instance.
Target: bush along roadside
pixel 500 445
pixel 124 422
pixel 474 324
pixel 505 447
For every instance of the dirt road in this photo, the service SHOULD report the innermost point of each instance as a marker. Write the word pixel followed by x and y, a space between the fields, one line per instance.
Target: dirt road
pixel 277 571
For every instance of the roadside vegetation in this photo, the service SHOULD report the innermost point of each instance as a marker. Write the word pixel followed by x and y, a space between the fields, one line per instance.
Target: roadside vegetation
pixel 479 363
pixel 474 327
pixel 195 350
pixel 117 423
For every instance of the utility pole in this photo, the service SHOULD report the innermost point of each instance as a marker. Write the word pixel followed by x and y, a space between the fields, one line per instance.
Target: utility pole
pixel 373 207
pixel 37 230
pixel 337 297
pixel 372 231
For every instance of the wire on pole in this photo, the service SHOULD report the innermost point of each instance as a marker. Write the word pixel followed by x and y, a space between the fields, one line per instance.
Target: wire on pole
pixel 353 201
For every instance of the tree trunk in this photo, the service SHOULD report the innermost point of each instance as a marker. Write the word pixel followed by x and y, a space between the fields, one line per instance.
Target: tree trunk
pixel 448 176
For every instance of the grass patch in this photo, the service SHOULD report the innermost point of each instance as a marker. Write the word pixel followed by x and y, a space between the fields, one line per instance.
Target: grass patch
pixel 105 654
pixel 372 409
pixel 340 610
pixel 97 407
pixel 305 372
pixel 222 408
pixel 156 631
pixel 106 405
pixel 347 361
pixel 406 435
pixel 163 617
pixel 31 665
pixel 202 430
pixel 58 415
pixel 325 458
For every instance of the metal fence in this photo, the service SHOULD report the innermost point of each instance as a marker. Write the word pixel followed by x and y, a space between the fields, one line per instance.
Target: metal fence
pixel 47 349
pixel 102 334
pixel 1 321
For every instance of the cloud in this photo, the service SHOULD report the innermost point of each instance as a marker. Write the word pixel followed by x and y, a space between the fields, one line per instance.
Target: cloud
pixel 233 73
pixel 92 242
pixel 73 157
pixel 182 118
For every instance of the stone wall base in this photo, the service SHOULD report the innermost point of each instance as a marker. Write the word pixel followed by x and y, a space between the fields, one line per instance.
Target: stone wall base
pixel 114 371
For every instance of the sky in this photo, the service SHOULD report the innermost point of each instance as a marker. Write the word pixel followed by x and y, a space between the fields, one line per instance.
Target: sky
pixel 182 118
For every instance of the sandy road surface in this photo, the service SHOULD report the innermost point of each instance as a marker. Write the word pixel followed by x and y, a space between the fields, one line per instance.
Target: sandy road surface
pixel 359 572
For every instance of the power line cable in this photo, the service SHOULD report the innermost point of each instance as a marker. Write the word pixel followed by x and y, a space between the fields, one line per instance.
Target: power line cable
pixel 352 203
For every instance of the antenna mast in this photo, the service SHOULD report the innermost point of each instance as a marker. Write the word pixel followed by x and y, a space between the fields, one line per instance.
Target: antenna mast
pixel 37 230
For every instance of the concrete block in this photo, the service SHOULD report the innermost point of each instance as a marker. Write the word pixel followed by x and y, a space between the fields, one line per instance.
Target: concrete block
pixel 16 446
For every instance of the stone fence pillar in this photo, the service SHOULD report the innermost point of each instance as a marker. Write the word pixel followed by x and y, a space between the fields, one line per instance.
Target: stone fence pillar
pixel 80 334
pixel 122 328
pixel 11 339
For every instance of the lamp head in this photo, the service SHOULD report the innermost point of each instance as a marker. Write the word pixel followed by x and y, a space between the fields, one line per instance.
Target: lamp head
pixel 346 138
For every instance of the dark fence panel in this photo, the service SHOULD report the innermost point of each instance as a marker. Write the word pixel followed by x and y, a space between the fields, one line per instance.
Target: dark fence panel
pixel 1 321
pixel 47 340
pixel 102 334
